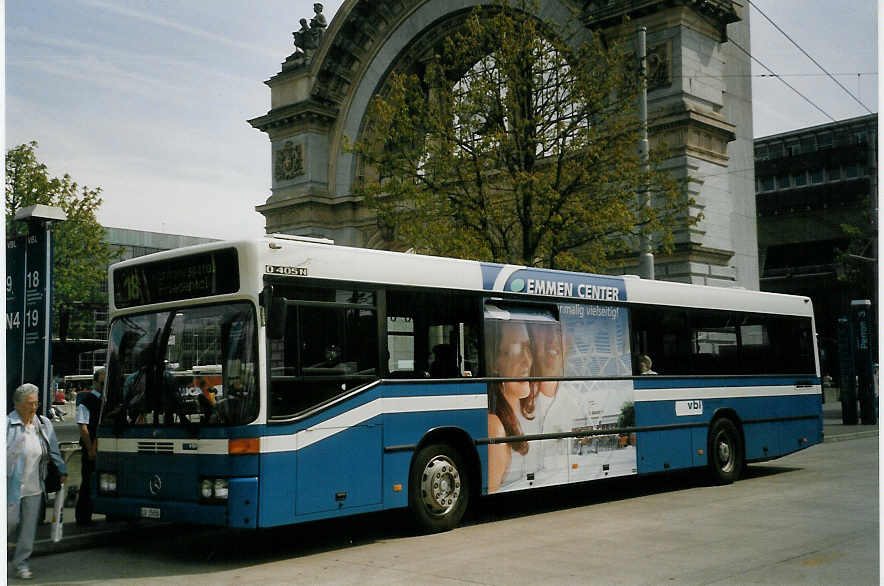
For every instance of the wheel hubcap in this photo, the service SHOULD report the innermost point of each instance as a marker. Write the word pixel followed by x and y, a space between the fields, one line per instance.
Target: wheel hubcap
pixel 440 486
pixel 725 452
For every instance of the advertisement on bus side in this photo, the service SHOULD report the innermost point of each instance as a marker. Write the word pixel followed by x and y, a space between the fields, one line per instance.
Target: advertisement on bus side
pixel 582 341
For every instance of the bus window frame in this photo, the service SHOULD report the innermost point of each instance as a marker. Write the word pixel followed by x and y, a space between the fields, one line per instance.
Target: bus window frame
pixel 280 284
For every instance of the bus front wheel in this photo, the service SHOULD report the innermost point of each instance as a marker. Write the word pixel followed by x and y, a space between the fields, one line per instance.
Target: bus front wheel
pixel 439 489
pixel 725 452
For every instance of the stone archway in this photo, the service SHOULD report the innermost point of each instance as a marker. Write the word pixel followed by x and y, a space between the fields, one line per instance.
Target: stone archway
pixel 319 99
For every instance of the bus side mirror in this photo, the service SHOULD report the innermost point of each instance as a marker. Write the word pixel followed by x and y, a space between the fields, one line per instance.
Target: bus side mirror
pixel 277 311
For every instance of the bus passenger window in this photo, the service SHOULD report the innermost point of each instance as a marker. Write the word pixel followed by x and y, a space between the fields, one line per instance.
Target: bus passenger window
pixel 701 342
pixel 431 335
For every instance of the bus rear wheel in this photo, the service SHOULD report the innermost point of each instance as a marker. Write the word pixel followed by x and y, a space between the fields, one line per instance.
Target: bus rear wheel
pixel 725 452
pixel 439 489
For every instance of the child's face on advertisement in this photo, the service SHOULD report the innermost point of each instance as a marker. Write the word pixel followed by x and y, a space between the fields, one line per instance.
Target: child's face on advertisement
pixel 549 358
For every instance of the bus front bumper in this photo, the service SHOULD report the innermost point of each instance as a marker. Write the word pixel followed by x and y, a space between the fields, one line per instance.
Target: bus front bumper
pixel 240 510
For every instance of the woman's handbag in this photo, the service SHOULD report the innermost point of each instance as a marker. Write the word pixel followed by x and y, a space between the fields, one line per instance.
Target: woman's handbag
pixel 53 477
pixel 52 482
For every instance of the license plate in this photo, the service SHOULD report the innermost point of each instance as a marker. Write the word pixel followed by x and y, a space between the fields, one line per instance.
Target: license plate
pixel 150 513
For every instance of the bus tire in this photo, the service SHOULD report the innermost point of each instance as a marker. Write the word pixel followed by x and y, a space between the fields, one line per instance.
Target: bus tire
pixel 725 451
pixel 439 488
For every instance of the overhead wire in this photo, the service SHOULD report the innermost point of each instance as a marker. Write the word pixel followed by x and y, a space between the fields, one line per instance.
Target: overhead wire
pixel 773 73
pixel 744 75
pixel 784 82
pixel 815 62
pixel 778 76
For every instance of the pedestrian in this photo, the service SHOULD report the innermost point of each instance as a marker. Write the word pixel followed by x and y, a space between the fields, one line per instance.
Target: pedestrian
pixel 30 443
pixel 88 411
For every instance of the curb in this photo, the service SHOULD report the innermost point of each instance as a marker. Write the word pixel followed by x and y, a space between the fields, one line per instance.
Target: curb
pixel 850 436
pixel 112 533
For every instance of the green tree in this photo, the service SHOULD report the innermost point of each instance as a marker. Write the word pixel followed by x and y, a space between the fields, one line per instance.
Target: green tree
pixel 81 255
pixel 511 145
pixel 857 260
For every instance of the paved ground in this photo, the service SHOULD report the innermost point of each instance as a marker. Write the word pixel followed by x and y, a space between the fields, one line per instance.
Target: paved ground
pixel 103 532
pixel 808 518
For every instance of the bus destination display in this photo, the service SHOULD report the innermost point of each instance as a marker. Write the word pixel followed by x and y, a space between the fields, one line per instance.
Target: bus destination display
pixel 200 275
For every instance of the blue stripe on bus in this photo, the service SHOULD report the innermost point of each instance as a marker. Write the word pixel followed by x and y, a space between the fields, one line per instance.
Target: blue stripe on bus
pixel 772 427
pixel 489 274
pixel 349 470
pixel 568 286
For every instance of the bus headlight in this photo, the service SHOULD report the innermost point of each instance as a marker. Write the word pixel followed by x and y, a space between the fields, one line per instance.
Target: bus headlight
pixel 206 488
pixel 107 483
pixel 214 489
pixel 221 488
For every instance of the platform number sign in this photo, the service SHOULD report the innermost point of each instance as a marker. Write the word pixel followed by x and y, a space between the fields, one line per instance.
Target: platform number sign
pixel 15 309
pixel 28 301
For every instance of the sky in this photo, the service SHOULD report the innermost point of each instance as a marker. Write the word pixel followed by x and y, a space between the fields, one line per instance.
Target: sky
pixel 148 99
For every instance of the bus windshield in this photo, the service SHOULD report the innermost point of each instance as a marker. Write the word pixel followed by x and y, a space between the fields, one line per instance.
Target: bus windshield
pixel 191 366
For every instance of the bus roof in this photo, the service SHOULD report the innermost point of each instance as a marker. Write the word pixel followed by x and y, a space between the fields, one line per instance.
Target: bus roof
pixel 302 258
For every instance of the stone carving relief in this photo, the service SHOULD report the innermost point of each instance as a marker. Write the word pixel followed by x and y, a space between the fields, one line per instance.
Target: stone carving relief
pixel 659 66
pixel 289 162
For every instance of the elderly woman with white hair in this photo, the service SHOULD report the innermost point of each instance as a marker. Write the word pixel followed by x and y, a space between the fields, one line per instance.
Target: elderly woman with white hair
pixel 30 443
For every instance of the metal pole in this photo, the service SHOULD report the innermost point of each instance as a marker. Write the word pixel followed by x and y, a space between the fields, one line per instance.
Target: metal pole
pixel 47 323
pixel 645 257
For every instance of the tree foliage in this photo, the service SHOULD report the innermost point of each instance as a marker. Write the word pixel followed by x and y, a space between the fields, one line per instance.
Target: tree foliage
pixel 81 255
pixel 511 145
pixel 857 258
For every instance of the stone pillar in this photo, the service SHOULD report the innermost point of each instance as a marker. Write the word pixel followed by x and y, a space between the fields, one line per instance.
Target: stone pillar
pixel 702 112
pixel 299 128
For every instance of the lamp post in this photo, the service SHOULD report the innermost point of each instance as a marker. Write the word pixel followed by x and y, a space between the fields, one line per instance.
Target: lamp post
pixel 645 256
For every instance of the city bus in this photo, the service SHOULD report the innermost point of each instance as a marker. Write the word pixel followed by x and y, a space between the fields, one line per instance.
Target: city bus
pixel 347 381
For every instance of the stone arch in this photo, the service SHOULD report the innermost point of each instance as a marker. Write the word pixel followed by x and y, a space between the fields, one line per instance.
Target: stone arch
pixel 318 103
pixel 416 32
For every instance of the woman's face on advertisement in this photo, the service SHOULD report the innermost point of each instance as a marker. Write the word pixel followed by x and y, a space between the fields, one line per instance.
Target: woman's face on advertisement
pixel 514 358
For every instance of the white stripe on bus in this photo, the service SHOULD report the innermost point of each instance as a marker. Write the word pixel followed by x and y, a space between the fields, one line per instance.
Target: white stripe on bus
pixel 642 395
pixel 361 414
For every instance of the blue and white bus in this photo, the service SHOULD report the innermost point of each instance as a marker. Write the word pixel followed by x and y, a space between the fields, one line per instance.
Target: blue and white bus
pixel 347 380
